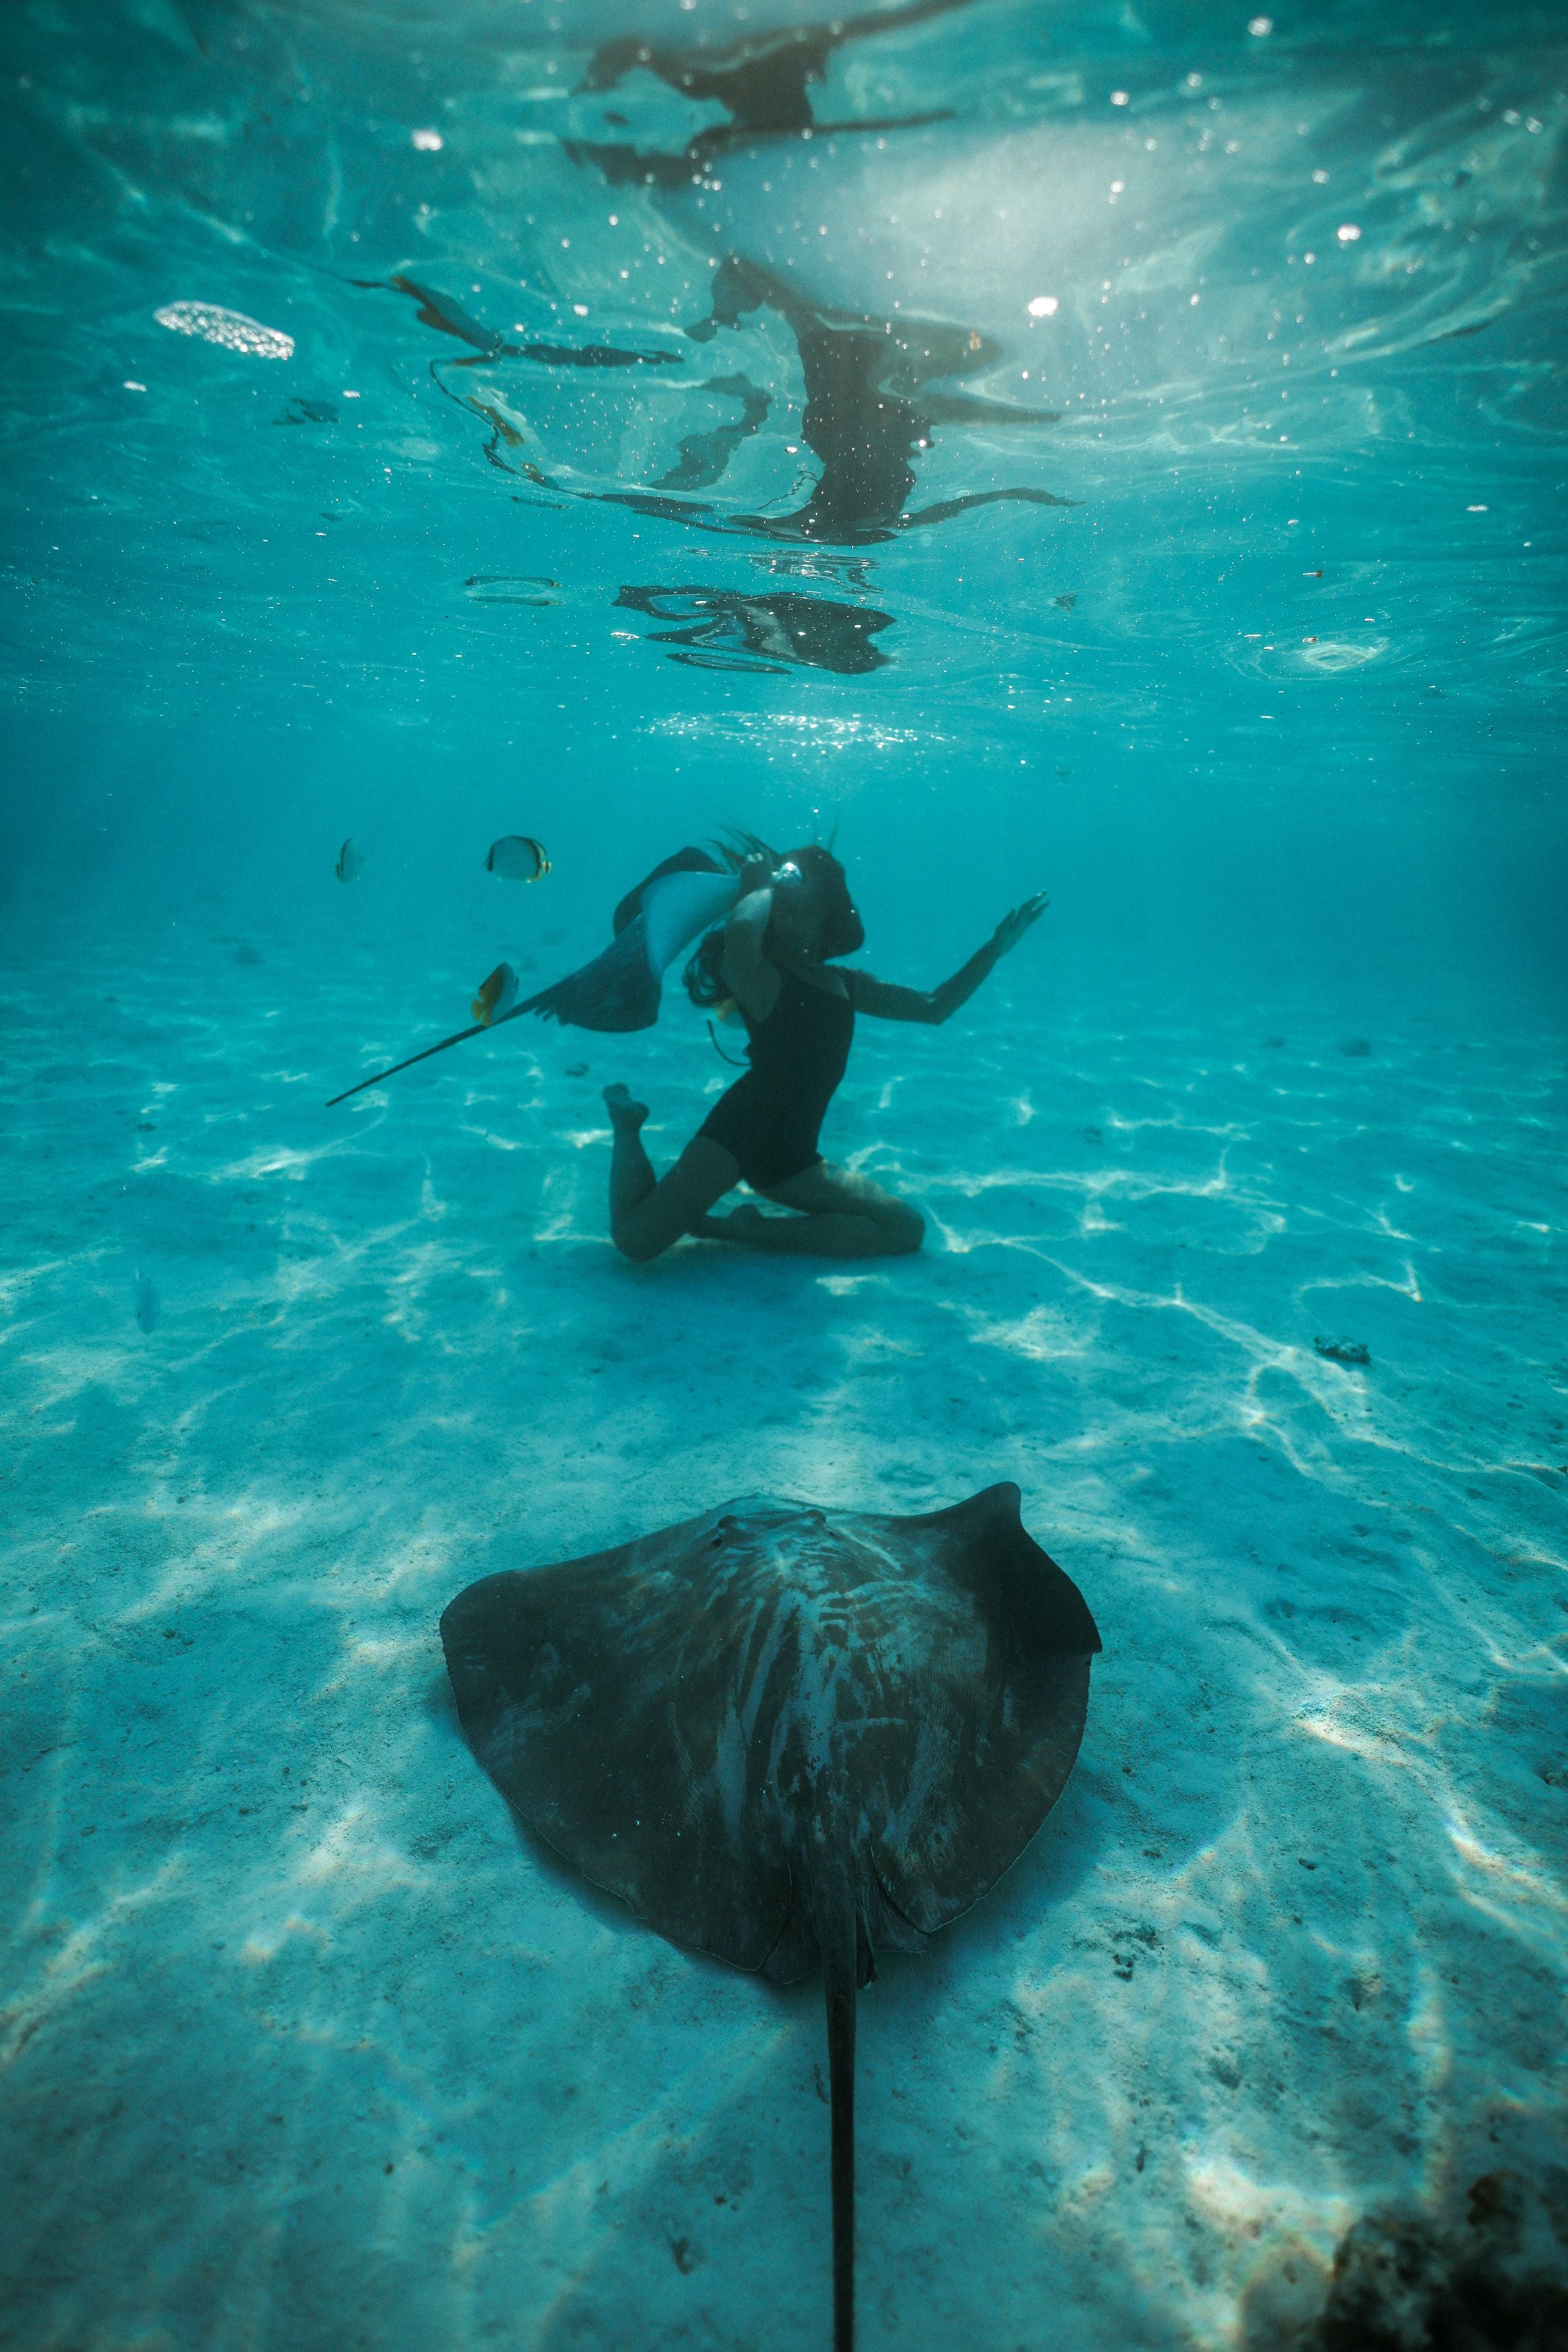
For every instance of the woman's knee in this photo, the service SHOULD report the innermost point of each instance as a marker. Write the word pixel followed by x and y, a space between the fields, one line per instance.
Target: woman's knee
pixel 639 1249
pixel 904 1228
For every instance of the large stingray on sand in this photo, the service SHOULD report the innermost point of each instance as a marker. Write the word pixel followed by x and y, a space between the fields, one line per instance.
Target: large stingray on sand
pixel 785 1735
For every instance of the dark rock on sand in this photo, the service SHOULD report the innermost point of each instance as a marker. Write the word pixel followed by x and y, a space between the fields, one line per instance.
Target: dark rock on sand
pixel 1405 2282
pixel 1344 1351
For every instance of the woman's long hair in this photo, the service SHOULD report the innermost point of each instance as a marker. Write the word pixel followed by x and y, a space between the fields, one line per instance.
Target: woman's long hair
pixel 703 975
pixel 842 930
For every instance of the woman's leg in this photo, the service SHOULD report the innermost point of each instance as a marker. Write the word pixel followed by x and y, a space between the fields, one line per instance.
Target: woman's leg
pixel 646 1213
pixel 841 1215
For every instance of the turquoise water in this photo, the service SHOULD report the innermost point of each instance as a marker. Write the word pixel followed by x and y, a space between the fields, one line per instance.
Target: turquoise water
pixel 1107 450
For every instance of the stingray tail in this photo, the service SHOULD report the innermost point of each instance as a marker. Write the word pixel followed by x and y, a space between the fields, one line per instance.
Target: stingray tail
pixel 530 1004
pixel 839 1936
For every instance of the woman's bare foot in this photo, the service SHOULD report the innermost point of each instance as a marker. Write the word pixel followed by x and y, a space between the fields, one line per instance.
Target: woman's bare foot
pixel 624 1111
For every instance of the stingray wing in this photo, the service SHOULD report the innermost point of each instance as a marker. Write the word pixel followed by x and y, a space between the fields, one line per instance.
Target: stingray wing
pixel 601 1697
pixel 621 989
pixel 685 861
pixel 691 1719
pixel 974 1713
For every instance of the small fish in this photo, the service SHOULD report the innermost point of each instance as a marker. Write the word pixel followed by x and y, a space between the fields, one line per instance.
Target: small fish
pixel 517 858
pixel 496 995
pixel 1344 1351
pixel 146 1303
pixel 1066 603
pixel 1355 1049
pixel 577 1070
pixel 351 861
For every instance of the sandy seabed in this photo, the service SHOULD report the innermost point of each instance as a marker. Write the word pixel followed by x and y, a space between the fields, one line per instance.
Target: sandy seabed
pixel 303 2048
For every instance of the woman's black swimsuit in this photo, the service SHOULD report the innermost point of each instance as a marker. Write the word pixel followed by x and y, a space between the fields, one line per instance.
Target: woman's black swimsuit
pixel 770 1119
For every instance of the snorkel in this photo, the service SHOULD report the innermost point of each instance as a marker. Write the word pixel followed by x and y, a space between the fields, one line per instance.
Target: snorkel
pixel 798 916
pixel 811 891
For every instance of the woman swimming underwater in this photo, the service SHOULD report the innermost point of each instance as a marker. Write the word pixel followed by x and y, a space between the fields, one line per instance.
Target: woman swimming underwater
pixel 774 956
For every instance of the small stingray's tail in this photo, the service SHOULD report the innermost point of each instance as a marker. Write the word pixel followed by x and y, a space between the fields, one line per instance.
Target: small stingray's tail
pixel 837 1934
pixel 532 1004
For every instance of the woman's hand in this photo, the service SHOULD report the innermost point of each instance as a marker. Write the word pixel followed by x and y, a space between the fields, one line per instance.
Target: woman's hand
pixel 941 1003
pixel 1011 928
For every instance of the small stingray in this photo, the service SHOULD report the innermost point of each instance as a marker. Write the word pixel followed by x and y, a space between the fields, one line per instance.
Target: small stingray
pixel 784 1735
pixel 620 989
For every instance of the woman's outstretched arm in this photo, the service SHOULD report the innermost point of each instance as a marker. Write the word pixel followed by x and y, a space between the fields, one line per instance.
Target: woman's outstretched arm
pixel 889 1002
